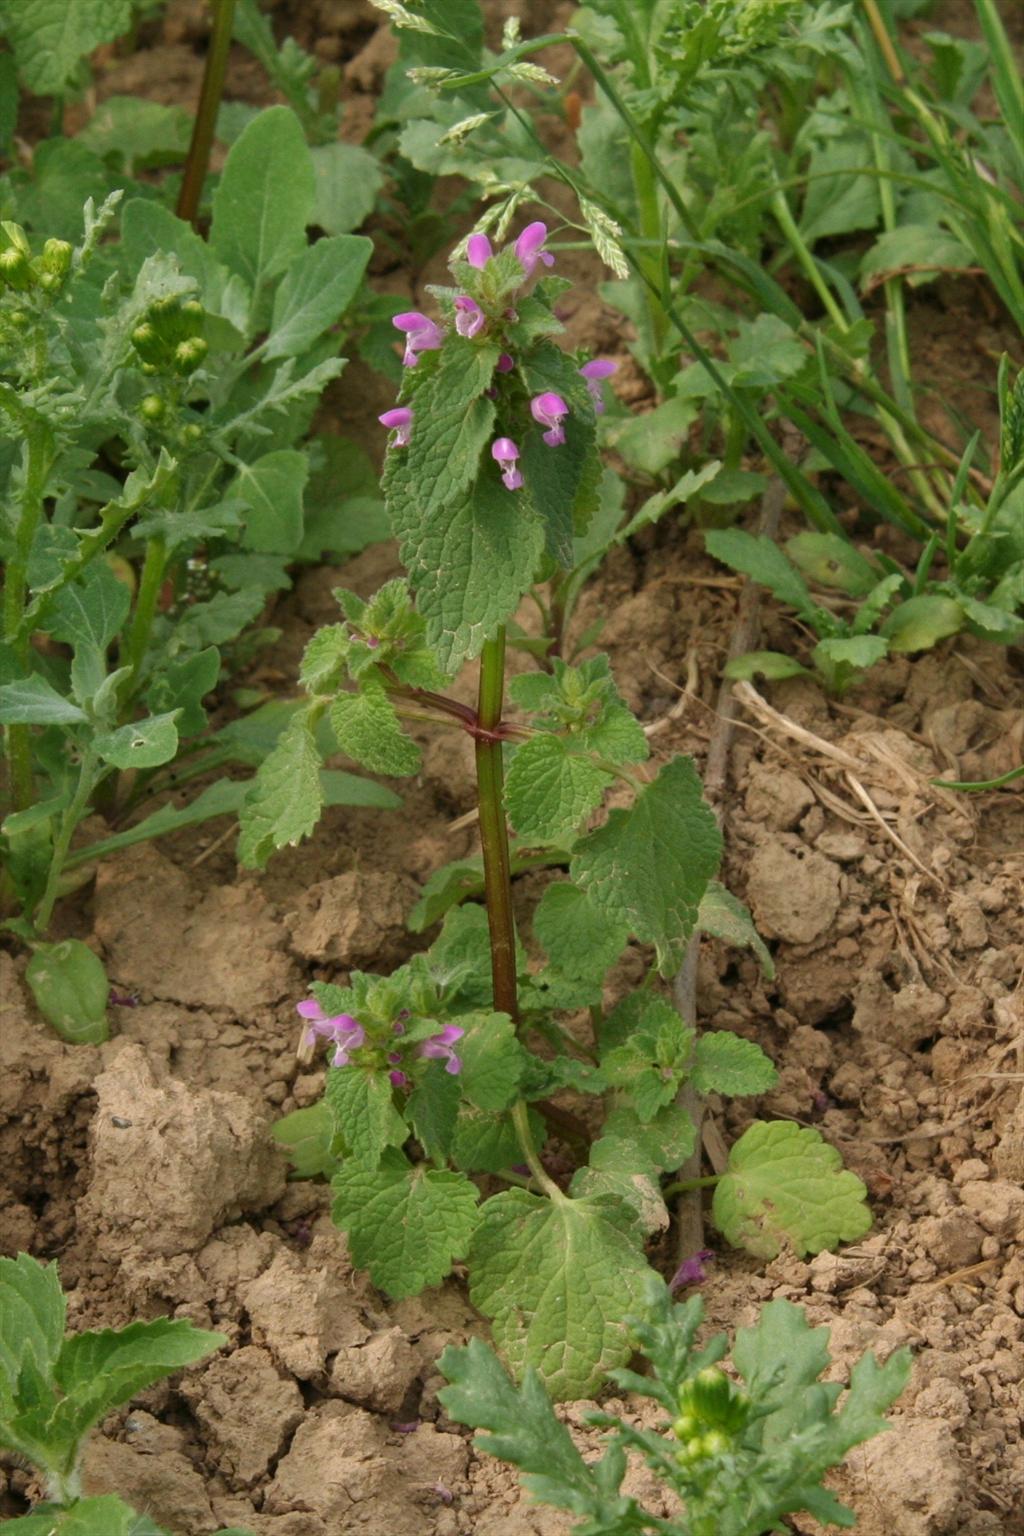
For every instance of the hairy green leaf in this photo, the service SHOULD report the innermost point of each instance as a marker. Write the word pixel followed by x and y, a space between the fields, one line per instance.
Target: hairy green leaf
pixel 264 198
pixel 50 38
pixel 549 790
pixel 580 940
pixel 725 917
pixel 316 291
pixel 557 1278
pixel 271 488
pixel 284 801
pixel 726 1063
pixel 368 729
pixel 649 867
pixel 406 1225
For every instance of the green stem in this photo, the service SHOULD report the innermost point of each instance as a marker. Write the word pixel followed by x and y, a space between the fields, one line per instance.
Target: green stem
pixel 150 583
pixel 683 1186
pixel 198 160
pixel 38 444
pixel 787 224
pixel 62 842
pixel 497 873
pixel 494 829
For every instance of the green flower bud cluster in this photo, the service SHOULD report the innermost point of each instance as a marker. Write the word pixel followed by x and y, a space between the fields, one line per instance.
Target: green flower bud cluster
pixel 23 272
pixel 168 340
pixel 712 1411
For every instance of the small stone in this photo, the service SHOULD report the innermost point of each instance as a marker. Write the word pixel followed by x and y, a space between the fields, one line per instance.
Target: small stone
pixel 998 1206
pixel 953 1240
pixel 793 890
pixel 914 1480
pixel 377 1374
pixel 970 1171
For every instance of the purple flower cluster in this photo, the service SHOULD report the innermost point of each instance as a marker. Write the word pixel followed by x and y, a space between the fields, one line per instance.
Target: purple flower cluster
pixel 424 335
pixel 347 1035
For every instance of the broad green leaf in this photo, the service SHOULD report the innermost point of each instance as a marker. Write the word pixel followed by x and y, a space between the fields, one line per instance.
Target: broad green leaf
pixel 485 1141
pixel 264 198
pixel 103 1516
pixel 70 988
pixel 492 1061
pixel 368 730
pixel 761 558
pixel 469 563
pixel 284 800
pixel 406 1225
pixel 363 1112
pixel 432 1111
pixel 841 660
pixel 832 562
pixel 623 1169
pixel 307 1136
pixel 726 1063
pixel 50 38
pixel 522 1425
pixel 135 133
pixel 32 1317
pixel 557 1279
pixel 347 180
pixel 549 790
pixel 143 744
pixel 32 701
pixel 315 292
pixel 649 867
pixel 580 940
pixel 656 439
pixel 98 1371
pixel 667 1139
pixel 272 487
pixel 773 665
pixel 724 917
pixel 90 611
pixel 922 622
pixel 784 1183
pixel 928 249
pixel 839 200
pixel 182 685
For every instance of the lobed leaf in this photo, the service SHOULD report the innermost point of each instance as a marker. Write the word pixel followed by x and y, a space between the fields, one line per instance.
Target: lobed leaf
pixel 784 1183
pixel 550 790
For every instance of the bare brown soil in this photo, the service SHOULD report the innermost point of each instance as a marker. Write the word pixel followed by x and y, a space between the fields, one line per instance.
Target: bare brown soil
pixel 893 909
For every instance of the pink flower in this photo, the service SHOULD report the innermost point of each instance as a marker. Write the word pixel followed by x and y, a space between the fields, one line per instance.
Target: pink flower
pixel 421 335
pixel 550 410
pixel 469 317
pixel 593 372
pixel 439 1048
pixel 345 1031
pixel 478 250
pixel 505 451
pixel 530 247
pixel 401 420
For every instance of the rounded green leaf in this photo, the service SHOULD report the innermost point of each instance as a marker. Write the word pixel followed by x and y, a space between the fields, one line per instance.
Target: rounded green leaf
pixel 785 1184
pixel 70 988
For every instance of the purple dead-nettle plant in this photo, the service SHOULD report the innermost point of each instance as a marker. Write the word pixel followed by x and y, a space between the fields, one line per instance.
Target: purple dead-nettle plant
pixel 453 1075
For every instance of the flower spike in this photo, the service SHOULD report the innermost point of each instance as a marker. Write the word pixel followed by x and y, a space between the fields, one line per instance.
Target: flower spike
pixel 421 335
pixel 550 410
pixel 506 452
pixel 399 419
